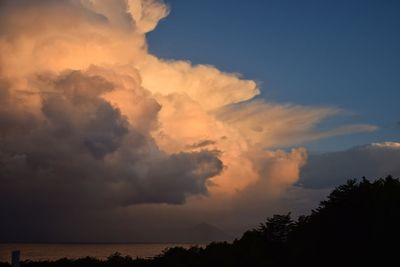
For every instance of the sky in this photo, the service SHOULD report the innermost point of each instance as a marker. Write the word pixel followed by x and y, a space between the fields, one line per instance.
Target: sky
pixel 137 120
pixel 338 53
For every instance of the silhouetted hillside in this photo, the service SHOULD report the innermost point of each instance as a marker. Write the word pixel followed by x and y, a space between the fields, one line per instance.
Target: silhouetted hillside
pixel 204 233
pixel 357 225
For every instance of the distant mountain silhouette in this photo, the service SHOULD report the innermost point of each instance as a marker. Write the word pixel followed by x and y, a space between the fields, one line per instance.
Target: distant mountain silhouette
pixel 357 225
pixel 204 233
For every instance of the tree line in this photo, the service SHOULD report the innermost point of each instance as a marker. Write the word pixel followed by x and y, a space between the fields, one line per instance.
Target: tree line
pixel 357 225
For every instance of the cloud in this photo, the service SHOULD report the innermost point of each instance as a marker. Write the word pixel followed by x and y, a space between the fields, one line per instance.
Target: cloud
pixel 82 140
pixel 93 126
pixel 331 169
pixel 281 125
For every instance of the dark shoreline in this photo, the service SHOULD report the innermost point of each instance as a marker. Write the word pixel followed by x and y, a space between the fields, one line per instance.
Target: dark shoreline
pixel 356 226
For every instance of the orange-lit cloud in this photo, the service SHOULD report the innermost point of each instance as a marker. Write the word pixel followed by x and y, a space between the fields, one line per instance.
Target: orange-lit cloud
pixel 85 105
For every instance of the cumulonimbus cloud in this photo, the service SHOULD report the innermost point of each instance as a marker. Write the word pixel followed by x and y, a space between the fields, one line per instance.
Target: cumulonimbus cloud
pixel 330 169
pixel 91 120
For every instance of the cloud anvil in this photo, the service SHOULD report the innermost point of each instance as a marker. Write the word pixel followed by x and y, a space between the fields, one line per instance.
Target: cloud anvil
pixel 92 123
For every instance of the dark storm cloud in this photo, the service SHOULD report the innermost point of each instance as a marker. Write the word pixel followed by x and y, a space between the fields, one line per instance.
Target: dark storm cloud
pixel 332 169
pixel 79 154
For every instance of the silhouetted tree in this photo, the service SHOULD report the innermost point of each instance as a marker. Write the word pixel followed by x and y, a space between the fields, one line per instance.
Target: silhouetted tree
pixel 357 225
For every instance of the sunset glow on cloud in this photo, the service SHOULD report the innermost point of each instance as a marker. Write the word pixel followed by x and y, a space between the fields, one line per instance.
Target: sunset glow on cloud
pixel 91 120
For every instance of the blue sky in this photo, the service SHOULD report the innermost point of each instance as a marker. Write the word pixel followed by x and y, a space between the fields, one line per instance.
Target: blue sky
pixel 332 53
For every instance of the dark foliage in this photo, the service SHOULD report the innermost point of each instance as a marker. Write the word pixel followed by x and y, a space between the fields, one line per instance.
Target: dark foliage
pixel 358 225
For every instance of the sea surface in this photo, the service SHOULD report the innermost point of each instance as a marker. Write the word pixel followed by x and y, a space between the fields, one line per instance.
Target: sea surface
pixel 36 252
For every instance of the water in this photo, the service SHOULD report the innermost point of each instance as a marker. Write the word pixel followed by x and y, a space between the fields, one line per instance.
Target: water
pixel 36 252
